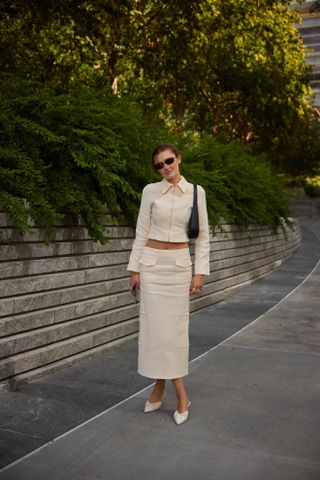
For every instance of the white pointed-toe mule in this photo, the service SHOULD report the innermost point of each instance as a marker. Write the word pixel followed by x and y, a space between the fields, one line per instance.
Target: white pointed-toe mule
pixel 153 406
pixel 181 418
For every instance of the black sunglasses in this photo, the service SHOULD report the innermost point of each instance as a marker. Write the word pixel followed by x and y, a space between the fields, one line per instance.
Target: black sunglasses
pixel 167 161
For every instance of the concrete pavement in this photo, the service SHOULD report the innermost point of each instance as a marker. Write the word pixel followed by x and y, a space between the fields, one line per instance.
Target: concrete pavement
pixel 254 383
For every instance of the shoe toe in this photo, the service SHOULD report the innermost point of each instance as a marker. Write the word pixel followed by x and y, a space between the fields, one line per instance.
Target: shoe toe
pixel 151 406
pixel 180 418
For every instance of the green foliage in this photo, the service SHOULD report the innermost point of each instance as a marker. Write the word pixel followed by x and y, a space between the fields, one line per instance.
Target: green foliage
pixel 87 153
pixel 312 187
pixel 234 69
pixel 80 153
pixel 300 150
pixel 240 187
pixel 63 42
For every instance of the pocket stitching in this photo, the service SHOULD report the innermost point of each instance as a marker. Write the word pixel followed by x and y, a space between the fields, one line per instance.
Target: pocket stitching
pixel 183 263
pixel 148 262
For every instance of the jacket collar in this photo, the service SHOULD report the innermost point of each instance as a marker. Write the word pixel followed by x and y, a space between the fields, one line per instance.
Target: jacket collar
pixel 167 185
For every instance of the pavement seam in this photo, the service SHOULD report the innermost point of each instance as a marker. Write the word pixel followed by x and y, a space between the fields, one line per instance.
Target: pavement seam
pixel 23 434
pixel 73 430
pixel 261 316
pixel 301 460
pixel 271 350
pixel 88 453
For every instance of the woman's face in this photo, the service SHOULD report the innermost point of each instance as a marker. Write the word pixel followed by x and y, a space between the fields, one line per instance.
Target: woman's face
pixel 170 172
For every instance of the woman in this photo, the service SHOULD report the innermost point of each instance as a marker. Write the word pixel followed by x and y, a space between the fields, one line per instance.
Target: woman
pixel 160 266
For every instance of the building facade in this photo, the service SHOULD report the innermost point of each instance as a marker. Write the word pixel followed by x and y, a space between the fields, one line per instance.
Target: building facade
pixel 309 30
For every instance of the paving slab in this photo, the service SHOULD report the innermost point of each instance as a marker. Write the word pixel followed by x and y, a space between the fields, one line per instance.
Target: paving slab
pixel 255 397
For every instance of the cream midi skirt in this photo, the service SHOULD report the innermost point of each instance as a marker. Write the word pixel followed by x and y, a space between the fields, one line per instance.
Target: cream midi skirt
pixel 165 277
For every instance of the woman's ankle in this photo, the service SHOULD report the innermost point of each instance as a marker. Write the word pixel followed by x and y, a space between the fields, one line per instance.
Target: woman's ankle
pixel 183 402
pixel 157 392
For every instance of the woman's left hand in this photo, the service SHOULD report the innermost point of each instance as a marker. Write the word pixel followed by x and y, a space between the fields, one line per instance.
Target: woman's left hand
pixel 196 284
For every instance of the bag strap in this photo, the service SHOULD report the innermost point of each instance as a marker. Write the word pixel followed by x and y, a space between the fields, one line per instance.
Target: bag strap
pixel 195 195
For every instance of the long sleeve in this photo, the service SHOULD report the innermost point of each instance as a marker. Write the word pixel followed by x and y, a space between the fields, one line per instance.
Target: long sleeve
pixel 142 231
pixel 163 215
pixel 202 245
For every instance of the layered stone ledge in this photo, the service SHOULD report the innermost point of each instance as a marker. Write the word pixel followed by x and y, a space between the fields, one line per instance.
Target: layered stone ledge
pixel 62 302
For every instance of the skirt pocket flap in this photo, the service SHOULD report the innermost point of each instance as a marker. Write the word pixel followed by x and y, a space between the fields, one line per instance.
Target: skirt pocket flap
pixel 183 262
pixel 148 261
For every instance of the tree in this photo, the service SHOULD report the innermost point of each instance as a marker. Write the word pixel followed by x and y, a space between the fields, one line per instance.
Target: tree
pixel 234 69
pixel 65 42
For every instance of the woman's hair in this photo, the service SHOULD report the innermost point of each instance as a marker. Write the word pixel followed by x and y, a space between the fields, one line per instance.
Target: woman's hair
pixel 161 148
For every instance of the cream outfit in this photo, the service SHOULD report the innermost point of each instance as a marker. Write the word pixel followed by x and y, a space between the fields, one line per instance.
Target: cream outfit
pixel 164 214
pixel 165 276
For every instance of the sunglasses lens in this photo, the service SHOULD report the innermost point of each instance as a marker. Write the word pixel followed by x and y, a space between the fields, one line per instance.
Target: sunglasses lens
pixel 167 161
pixel 159 166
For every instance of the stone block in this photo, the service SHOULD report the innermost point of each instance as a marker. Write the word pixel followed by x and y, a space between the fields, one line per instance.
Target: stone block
pixel 36 250
pixel 50 353
pixel 37 301
pixel 40 283
pixel 19 323
pixel 33 266
pixel 21 342
pixel 63 363
pixel 62 234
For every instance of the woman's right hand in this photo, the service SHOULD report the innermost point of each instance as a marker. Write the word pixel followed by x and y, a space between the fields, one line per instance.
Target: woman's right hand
pixel 134 282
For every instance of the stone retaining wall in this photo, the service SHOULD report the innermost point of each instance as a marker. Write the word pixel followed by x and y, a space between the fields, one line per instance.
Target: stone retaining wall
pixel 67 300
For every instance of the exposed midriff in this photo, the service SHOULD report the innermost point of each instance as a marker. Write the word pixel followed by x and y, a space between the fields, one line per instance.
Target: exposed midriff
pixel 166 245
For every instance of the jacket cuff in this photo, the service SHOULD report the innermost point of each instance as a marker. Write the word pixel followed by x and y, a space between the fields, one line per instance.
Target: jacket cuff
pixel 133 267
pixel 202 271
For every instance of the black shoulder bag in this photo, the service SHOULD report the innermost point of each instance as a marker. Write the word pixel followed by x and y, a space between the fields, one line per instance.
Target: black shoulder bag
pixel 193 225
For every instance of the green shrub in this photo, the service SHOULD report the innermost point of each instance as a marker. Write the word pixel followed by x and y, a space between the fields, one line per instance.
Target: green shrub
pixel 240 186
pixel 312 187
pixel 312 190
pixel 80 153
pixel 88 153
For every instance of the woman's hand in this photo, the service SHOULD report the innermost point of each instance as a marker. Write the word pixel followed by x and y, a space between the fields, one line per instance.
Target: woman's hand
pixel 196 284
pixel 134 282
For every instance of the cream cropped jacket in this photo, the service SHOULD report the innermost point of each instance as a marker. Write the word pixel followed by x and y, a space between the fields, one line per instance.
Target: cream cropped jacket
pixel 164 214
